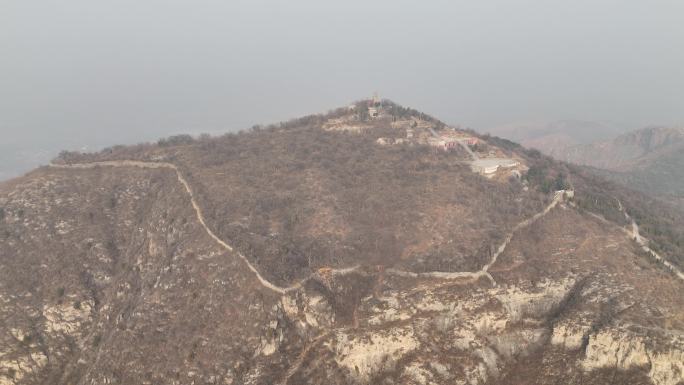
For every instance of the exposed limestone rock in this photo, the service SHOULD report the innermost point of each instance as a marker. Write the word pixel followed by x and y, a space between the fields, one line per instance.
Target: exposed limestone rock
pixel 309 313
pixel 66 318
pixel 416 374
pixel 667 368
pixel 490 360
pixel 12 370
pixel 317 312
pixel 289 305
pixel 569 335
pixel 615 350
pixel 374 352
pixel 387 309
pixel 624 350
pixel 488 322
pixel 18 334
pixel 518 342
pixel 534 303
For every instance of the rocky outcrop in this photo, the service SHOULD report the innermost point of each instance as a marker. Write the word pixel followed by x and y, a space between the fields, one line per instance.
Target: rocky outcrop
pixel 569 335
pixel 368 354
pixel 536 303
pixel 624 350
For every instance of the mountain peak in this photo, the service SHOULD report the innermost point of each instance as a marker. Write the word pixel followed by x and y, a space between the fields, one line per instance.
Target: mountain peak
pixel 361 246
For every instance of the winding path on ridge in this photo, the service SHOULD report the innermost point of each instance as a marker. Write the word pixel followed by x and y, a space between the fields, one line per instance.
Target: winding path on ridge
pixel 473 276
pixel 483 272
pixel 643 242
pixel 198 212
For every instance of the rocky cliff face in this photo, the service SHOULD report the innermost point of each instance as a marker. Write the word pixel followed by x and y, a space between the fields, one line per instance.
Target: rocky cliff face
pixel 127 273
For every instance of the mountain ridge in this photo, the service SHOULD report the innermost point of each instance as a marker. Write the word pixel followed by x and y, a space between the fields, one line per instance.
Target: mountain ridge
pixel 626 150
pixel 314 252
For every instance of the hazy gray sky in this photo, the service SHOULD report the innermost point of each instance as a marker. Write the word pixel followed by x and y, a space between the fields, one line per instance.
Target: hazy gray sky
pixel 100 72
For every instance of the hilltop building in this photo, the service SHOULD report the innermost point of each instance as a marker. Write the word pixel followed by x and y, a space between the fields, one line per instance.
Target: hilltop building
pixel 374 106
pixel 488 166
pixel 373 112
pixel 443 144
pixel 471 141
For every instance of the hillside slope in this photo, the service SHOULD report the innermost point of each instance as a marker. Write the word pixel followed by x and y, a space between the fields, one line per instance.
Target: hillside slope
pixel 338 248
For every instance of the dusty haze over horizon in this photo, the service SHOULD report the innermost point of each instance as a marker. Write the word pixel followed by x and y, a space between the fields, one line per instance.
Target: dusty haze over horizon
pixel 84 74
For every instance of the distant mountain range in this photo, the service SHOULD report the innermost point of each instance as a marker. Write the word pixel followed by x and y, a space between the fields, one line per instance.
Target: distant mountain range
pixel 650 159
pixel 550 137
pixel 626 152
